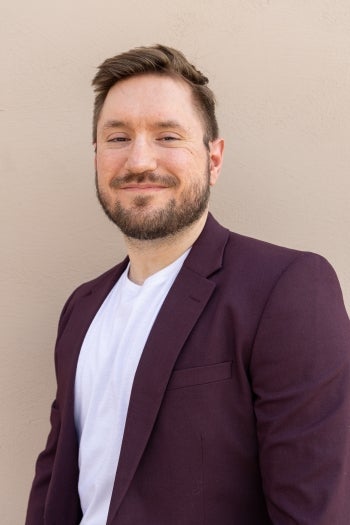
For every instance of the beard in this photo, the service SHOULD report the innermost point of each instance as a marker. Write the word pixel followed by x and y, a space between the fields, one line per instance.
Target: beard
pixel 140 222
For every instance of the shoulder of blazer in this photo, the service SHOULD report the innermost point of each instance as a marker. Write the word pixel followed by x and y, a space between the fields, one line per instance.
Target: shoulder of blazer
pixel 103 284
pixel 217 248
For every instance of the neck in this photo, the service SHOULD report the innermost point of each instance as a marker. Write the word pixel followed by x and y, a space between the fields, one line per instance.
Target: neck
pixel 149 257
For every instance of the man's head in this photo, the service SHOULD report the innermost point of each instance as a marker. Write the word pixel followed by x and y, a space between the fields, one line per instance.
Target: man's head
pixel 155 158
pixel 160 60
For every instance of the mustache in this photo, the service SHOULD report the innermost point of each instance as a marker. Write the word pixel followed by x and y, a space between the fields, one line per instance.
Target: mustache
pixel 138 178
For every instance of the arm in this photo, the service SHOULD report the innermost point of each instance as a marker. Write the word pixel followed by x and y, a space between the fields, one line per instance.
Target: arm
pixel 43 471
pixel 45 461
pixel 300 370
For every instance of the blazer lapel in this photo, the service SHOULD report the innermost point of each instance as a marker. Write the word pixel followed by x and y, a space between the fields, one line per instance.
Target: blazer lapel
pixel 192 289
pixel 71 340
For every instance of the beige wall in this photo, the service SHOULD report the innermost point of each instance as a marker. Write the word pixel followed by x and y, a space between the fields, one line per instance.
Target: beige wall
pixel 281 72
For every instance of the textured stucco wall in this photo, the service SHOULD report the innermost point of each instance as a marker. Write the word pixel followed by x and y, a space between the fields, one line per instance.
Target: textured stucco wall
pixel 281 72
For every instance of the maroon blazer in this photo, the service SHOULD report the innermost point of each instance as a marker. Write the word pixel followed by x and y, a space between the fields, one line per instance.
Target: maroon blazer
pixel 240 407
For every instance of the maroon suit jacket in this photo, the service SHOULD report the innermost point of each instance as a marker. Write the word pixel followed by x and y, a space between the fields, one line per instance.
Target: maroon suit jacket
pixel 240 407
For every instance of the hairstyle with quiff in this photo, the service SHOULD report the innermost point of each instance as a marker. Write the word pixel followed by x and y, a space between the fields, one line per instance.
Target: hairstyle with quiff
pixel 161 60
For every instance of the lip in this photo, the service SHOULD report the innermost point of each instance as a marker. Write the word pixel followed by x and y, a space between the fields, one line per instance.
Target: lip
pixel 143 187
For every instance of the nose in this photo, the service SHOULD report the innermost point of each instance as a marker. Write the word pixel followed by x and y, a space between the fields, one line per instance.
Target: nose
pixel 141 156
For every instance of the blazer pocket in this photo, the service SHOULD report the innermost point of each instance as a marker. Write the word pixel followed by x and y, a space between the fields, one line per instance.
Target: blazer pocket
pixel 200 375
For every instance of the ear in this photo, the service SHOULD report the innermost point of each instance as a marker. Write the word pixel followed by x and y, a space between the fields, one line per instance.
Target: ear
pixel 216 154
pixel 95 150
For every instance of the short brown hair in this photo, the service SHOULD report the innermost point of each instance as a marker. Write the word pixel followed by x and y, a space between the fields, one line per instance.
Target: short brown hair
pixel 161 60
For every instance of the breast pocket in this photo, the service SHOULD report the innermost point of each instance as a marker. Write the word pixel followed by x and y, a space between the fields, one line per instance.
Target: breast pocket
pixel 200 375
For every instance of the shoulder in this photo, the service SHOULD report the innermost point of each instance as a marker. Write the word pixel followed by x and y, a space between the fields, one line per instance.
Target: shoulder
pixel 256 270
pixel 235 247
pixel 108 277
pixel 298 291
pixel 256 257
pixel 100 285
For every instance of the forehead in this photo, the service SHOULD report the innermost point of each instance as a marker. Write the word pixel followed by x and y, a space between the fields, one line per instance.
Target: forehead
pixel 151 96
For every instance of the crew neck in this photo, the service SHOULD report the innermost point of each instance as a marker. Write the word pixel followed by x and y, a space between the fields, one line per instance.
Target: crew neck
pixel 160 275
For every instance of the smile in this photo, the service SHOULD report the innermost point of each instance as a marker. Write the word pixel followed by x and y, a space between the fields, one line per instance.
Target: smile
pixel 143 187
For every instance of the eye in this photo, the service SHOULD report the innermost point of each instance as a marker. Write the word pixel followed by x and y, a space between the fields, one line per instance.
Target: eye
pixel 168 138
pixel 118 139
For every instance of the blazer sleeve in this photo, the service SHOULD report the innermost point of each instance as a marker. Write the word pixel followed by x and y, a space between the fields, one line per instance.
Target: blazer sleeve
pixel 43 471
pixel 301 381
pixel 45 461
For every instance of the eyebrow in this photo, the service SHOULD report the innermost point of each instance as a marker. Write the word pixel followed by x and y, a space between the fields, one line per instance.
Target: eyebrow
pixel 162 124
pixel 114 124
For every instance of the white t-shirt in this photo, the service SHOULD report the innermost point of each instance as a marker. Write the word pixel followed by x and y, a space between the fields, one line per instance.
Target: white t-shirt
pixel 106 368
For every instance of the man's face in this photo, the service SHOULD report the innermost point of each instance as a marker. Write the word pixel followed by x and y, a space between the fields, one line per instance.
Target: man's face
pixel 153 170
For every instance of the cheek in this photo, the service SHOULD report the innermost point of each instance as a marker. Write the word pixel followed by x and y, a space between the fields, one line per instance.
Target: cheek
pixel 108 162
pixel 183 162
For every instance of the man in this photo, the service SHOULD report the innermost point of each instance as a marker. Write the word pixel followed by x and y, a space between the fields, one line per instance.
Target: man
pixel 205 379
